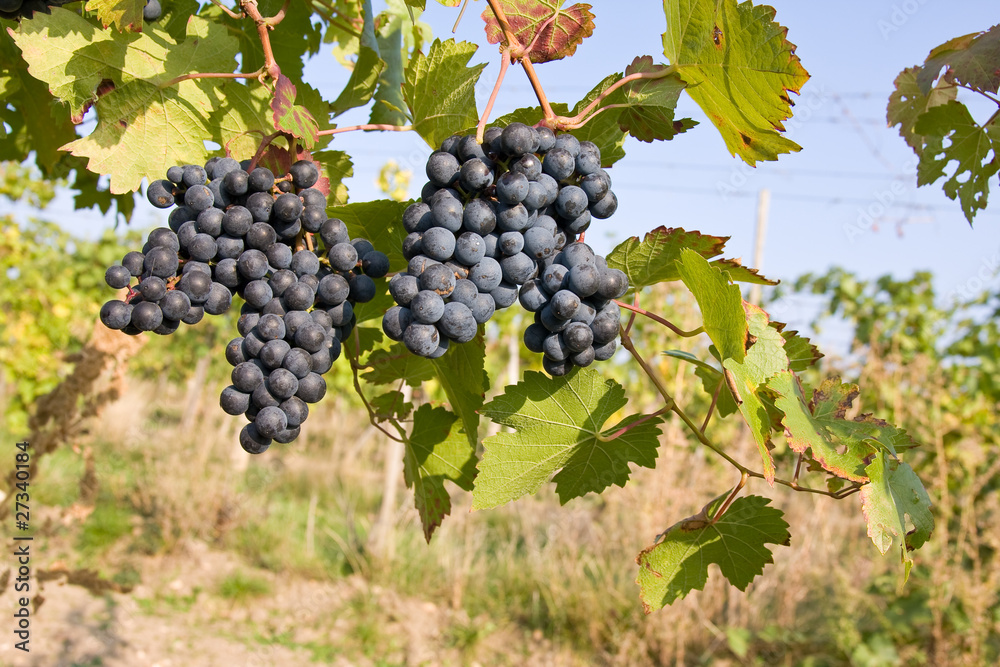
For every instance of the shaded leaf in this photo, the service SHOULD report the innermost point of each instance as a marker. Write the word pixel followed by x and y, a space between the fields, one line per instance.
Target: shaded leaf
pixel 558 426
pixel 678 563
pixel 436 451
pixel 440 90
pixel 907 103
pixel 542 27
pixel 389 103
pixel 381 222
pixel 710 382
pixel 968 144
pixel 395 364
pixel 391 405
pixel 651 260
pixel 894 500
pixel 123 14
pixel 651 103
pixel 243 117
pixel 739 68
pixel 462 374
pixel 973 59
pixel 335 166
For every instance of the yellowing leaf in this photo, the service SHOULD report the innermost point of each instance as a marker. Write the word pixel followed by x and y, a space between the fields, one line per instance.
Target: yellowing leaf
pixel 739 68
pixel 123 14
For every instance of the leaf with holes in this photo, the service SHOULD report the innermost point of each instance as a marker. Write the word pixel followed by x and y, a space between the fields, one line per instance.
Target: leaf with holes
pixel 542 27
pixel 558 426
pixel 737 542
pixel 290 117
pixel 437 451
pixel 739 68
pixel 143 126
pixel 969 145
pixel 907 104
pixel 894 500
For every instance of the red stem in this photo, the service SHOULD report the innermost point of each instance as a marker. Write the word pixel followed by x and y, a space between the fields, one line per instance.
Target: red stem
pixel 657 318
pixel 504 64
pixel 353 128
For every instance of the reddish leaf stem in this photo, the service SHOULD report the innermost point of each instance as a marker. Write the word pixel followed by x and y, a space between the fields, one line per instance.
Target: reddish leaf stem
pixel 504 65
pixel 264 143
pixel 280 16
pixel 656 318
pixel 711 408
pixel 730 498
pixel 461 13
pixel 210 75
pixel 515 47
pixel 368 406
pixel 227 10
pixel 625 429
pixel 263 31
pixel 659 74
pixel 354 128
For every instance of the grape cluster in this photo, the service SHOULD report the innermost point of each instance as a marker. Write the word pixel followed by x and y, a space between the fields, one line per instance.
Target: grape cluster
pixel 244 232
pixel 15 9
pixel 492 220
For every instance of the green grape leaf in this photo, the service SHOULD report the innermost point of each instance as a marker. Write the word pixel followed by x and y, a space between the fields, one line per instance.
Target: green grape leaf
pixel 142 129
pixel 381 222
pixel 361 85
pixel 651 103
pixel 969 145
pixel 437 451
pixel 720 303
pixel 335 166
pixel 894 500
pixel 290 117
pixel 800 351
pixel 557 423
pixel 123 14
pixel 243 117
pixel 175 16
pixel 710 379
pixel 391 405
pixel 972 59
pixel 742 274
pixel 820 425
pixel 463 377
pixel 907 103
pixel 48 125
pixel 440 90
pixel 739 68
pixel 651 260
pixel 395 364
pixel 678 563
pixel 603 129
pixel 389 102
pixel 543 28
pixel 765 357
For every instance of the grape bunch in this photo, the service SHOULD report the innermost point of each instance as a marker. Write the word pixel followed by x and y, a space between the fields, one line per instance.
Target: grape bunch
pixel 491 221
pixel 15 9
pixel 240 231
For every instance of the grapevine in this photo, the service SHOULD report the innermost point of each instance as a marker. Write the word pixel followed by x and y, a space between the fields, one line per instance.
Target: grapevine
pixel 263 221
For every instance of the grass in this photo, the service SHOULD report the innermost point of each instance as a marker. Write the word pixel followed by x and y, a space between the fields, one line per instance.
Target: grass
pixel 533 580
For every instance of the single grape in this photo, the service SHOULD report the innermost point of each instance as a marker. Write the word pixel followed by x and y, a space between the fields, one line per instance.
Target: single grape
pixel 116 314
pixel 252 441
pixel 160 194
pixel 118 277
pixel 427 307
pixel 422 339
pixel 304 174
pixel 233 401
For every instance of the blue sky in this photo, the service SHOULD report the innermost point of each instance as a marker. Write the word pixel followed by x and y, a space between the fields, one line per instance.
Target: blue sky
pixel 851 165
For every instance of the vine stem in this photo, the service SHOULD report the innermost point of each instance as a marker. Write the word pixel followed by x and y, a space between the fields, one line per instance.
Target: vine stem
pixel 280 16
pixel 659 74
pixel 364 399
pixel 672 406
pixel 730 498
pixel 711 409
pixel 227 10
pixel 481 127
pixel 263 32
pixel 625 429
pixel 515 46
pixel 376 126
pixel 211 75
pixel 656 318
pixel 264 143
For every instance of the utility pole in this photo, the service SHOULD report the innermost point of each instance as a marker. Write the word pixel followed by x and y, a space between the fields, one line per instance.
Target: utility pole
pixel 763 204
